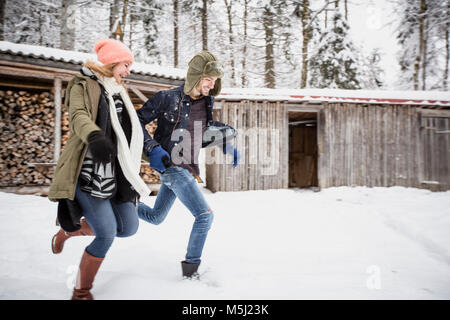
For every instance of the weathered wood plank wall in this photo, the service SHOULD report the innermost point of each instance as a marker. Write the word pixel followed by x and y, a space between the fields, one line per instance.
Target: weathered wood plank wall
pixel 262 142
pixel 382 145
pixel 358 145
pixel 367 145
pixel 435 147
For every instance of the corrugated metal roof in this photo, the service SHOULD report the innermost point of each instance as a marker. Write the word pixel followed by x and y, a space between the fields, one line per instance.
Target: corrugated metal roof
pixel 78 58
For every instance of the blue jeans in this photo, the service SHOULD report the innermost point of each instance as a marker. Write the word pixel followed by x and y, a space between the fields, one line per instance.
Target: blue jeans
pixel 108 219
pixel 178 182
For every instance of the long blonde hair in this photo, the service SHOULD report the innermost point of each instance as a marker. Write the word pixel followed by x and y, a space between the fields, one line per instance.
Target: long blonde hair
pixel 105 70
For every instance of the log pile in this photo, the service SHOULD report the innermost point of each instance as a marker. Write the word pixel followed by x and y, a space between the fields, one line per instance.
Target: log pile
pixel 26 134
pixel 27 138
pixel 65 133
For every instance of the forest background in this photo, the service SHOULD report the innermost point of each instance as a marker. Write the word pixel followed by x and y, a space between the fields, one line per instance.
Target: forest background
pixel 344 44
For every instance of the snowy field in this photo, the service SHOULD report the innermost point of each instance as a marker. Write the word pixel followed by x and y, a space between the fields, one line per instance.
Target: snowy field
pixel 340 243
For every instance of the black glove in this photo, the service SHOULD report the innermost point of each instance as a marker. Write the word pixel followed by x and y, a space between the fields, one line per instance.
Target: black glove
pixel 102 149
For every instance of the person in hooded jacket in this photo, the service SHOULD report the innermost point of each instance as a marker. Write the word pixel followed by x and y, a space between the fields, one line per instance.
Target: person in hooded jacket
pixel 185 124
pixel 97 174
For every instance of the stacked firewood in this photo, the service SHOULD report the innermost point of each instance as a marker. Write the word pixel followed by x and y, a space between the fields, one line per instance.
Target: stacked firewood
pixel 65 133
pixel 26 135
pixel 27 124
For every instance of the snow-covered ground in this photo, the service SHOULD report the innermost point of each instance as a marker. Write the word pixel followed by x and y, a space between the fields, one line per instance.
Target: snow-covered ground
pixel 340 243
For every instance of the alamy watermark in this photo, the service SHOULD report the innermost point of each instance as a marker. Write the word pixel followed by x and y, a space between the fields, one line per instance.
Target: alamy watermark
pixel 256 146
pixel 373 282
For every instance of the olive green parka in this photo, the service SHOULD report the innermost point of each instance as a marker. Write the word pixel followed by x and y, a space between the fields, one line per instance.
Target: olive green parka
pixel 82 99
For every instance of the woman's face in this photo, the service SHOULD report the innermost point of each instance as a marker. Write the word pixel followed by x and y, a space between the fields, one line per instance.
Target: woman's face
pixel 121 70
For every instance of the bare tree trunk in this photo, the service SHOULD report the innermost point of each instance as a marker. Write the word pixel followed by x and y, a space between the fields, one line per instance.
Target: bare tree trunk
pixel 447 52
pixel 67 18
pixel 324 9
pixel 228 5
pixel 269 74
pixel 306 33
pixel 244 49
pixel 2 19
pixel 424 57
pixel 40 28
pixel 416 73
pixel 124 18
pixel 204 25
pixel 346 10
pixel 421 44
pixel 307 20
pixel 175 33
pixel 113 14
pixel 132 18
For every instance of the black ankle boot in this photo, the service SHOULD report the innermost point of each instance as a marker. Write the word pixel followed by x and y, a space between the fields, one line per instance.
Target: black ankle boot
pixel 190 269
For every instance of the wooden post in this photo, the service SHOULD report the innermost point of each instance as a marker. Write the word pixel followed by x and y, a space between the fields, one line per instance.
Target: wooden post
pixel 57 96
pixel 138 93
pixel 285 144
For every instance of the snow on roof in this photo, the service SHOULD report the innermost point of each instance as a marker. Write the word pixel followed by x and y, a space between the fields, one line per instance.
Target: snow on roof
pixel 338 95
pixel 81 57
pixel 291 95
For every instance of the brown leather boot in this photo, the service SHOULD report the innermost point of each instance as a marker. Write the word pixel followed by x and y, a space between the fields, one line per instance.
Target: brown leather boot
pixel 61 236
pixel 89 266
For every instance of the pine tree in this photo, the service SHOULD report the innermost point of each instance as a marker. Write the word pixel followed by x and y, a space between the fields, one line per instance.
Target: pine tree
pixel 233 37
pixel 310 32
pixel 446 27
pixel 87 33
pixel 370 73
pixel 192 33
pixel 268 19
pixel 175 32
pixel 140 26
pixel 229 8
pixel 334 64
pixel 2 20
pixel 272 36
pixel 437 44
pixel 32 22
pixel 407 35
pixel 198 10
pixel 423 36
pixel 244 79
pixel 114 10
pixel 149 13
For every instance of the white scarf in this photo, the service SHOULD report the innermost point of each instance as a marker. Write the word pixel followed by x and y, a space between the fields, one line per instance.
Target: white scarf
pixel 129 156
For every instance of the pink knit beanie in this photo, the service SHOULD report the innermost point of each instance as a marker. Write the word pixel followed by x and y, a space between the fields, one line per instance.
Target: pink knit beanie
pixel 112 51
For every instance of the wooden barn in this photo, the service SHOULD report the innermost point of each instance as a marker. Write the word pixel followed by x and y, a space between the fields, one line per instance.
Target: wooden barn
pixel 326 138
pixel 287 138
pixel 33 120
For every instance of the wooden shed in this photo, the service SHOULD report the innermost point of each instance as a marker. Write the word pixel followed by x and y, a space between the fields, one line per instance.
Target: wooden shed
pixel 33 121
pixel 287 138
pixel 325 138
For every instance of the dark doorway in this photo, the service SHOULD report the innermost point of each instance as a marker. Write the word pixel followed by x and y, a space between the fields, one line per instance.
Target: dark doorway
pixel 302 150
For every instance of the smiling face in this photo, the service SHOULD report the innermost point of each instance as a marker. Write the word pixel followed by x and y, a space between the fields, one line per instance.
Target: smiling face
pixel 121 70
pixel 203 87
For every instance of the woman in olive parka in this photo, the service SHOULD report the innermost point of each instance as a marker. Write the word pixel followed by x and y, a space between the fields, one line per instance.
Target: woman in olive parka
pixel 97 174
